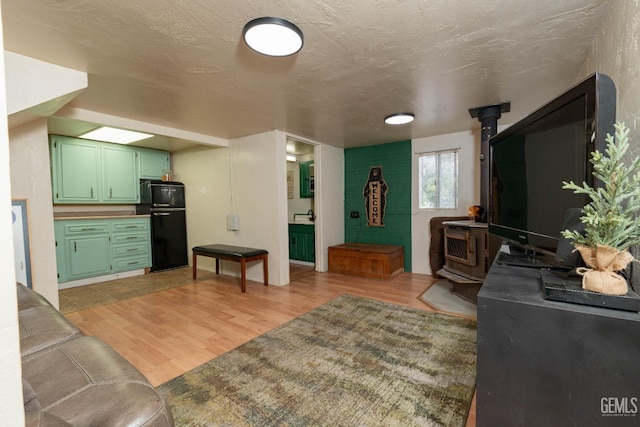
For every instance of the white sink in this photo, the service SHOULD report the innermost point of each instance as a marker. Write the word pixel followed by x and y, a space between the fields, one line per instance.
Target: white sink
pixel 303 221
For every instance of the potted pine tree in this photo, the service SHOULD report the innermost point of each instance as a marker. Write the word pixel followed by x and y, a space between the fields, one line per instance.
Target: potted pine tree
pixel 611 217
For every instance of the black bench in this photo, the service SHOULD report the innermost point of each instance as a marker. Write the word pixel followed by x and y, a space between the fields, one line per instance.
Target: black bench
pixel 233 253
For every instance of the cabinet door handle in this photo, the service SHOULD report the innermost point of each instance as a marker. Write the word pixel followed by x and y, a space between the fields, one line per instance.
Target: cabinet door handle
pixel 92 192
pixel 131 238
pixel 75 246
pixel 88 229
pixel 161 214
pixel 111 193
pixel 132 250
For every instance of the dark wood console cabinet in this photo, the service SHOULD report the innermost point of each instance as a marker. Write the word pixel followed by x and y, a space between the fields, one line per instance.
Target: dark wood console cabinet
pixel 547 363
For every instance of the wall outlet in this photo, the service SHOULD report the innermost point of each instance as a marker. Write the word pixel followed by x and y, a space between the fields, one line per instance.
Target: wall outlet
pixel 233 222
pixel 355 214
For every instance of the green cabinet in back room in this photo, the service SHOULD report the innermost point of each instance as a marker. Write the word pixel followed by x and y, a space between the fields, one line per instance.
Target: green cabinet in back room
pixel 307 179
pixel 302 242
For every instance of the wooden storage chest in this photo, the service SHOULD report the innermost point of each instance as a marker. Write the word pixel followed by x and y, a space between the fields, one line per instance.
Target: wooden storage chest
pixel 367 260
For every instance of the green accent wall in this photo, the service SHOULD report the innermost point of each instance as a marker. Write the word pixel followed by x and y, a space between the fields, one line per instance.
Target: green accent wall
pixel 395 160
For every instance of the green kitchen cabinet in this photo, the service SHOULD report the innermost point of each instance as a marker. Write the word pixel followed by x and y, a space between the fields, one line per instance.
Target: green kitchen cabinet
pixel 76 170
pixel 92 172
pixel 119 174
pixel 153 163
pixel 307 179
pixel 130 244
pixel 96 247
pixel 302 242
pixel 82 249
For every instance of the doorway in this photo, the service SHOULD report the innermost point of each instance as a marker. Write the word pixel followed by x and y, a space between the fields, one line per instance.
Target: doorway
pixel 301 206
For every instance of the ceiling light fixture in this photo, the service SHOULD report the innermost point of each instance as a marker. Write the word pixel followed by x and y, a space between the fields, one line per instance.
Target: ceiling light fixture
pixel 273 36
pixel 291 158
pixel 118 136
pixel 399 119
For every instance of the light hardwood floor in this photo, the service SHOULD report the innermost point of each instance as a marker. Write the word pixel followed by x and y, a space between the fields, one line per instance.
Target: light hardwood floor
pixel 169 332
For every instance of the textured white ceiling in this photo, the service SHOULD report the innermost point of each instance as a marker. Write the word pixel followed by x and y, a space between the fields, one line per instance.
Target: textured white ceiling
pixel 183 64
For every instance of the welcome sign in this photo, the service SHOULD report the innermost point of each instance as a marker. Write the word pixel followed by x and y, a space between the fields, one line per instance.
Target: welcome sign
pixel 375 195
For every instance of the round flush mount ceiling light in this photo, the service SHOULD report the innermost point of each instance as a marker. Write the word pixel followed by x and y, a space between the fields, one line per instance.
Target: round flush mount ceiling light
pixel 399 119
pixel 273 36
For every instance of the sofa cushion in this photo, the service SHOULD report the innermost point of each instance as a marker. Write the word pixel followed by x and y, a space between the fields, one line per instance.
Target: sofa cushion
pixel 43 419
pixel 42 327
pixel 84 382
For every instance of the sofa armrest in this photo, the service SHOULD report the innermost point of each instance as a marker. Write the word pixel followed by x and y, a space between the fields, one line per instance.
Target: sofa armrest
pixel 28 298
pixel 84 382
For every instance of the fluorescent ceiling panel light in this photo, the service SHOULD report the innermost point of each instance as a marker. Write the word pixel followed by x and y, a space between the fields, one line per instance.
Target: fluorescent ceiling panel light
pixel 291 158
pixel 399 119
pixel 273 36
pixel 118 136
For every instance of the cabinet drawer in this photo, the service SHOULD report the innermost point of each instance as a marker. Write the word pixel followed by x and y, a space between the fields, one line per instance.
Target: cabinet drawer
pixel 87 228
pixel 120 226
pixel 131 263
pixel 123 250
pixel 133 237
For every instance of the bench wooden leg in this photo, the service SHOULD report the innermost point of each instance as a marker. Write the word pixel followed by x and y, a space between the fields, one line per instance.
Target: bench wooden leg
pixel 217 266
pixel 265 264
pixel 243 272
pixel 194 265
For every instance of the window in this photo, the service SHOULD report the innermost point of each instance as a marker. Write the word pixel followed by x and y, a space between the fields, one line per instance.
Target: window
pixel 438 180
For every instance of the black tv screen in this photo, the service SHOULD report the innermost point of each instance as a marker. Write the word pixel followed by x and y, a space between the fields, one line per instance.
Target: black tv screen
pixel 531 159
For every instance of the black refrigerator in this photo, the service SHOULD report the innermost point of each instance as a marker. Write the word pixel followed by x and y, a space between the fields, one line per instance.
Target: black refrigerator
pixel 164 202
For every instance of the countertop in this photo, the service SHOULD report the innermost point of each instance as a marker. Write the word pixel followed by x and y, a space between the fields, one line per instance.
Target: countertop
pixel 58 216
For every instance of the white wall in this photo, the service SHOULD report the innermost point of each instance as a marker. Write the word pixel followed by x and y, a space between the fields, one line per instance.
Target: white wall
pixel 468 144
pixel 205 172
pixel 247 179
pixel 31 180
pixel 329 196
pixel 37 88
pixel 11 408
pixel 615 53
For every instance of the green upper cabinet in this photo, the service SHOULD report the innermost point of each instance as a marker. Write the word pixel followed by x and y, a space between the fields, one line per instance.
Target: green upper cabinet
pixel 119 174
pixel 307 179
pixel 153 163
pixel 76 170
pixel 86 172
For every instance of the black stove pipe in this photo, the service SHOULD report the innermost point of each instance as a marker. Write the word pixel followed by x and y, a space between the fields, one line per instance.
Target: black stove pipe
pixel 488 116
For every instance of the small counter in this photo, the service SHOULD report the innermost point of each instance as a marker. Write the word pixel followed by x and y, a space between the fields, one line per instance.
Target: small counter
pixel 96 215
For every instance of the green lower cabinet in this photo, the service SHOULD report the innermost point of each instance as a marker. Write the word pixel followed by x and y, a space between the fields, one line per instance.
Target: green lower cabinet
pixel 131 244
pixel 87 256
pixel 302 242
pixel 90 248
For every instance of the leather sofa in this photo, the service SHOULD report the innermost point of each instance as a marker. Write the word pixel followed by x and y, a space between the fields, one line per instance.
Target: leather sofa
pixel 74 380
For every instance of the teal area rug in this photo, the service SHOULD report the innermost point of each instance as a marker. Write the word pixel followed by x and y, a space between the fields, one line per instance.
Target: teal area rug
pixel 349 362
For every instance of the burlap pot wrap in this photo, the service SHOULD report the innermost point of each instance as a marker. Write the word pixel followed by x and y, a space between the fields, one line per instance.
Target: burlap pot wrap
pixel 604 262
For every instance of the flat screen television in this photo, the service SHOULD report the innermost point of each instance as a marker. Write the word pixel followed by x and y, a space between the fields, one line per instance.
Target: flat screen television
pixel 531 159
